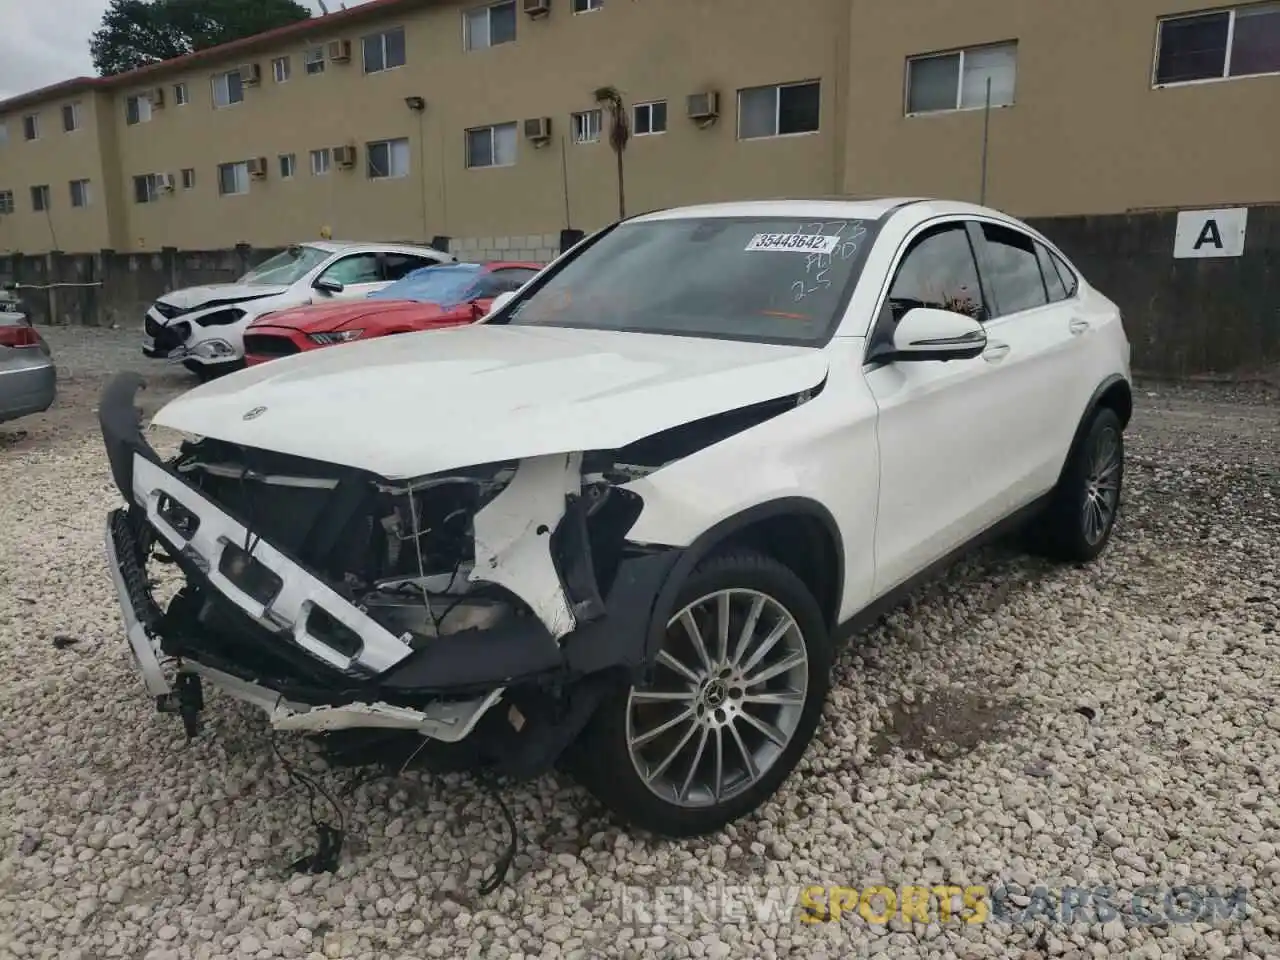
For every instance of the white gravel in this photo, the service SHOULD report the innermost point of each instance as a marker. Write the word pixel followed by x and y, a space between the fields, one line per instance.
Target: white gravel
pixel 1020 724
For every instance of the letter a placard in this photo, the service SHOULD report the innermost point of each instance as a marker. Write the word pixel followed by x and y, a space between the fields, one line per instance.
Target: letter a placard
pixel 1210 233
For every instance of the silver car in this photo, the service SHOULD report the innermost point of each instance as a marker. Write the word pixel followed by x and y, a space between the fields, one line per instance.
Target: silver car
pixel 28 376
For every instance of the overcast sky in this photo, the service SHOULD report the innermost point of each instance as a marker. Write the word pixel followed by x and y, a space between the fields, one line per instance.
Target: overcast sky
pixel 44 41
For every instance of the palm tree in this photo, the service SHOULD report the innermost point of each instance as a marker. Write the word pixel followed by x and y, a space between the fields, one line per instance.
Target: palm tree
pixel 619 134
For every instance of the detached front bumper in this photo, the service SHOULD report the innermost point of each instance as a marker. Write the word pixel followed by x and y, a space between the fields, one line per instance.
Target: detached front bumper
pixel 276 661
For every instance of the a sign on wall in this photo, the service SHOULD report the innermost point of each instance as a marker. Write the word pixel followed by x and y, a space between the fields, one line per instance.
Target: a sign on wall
pixel 1210 233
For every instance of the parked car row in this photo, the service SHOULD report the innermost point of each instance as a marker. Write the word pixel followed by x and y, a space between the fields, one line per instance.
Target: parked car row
pixel 622 516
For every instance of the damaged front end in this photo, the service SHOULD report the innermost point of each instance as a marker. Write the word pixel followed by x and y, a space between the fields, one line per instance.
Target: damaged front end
pixel 494 603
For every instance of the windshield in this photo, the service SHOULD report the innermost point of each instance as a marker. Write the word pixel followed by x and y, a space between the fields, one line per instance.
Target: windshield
pixel 443 285
pixel 769 279
pixel 289 266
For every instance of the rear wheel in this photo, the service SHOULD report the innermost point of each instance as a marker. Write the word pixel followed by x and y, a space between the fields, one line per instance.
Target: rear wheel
pixel 1078 522
pixel 735 695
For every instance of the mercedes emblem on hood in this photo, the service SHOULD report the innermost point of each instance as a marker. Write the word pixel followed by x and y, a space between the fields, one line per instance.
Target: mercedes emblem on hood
pixel 254 413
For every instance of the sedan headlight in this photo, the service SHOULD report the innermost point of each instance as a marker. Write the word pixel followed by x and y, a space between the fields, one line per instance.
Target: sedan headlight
pixel 336 336
pixel 213 349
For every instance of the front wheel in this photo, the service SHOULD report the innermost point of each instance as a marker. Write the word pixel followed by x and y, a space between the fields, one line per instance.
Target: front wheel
pixel 735 695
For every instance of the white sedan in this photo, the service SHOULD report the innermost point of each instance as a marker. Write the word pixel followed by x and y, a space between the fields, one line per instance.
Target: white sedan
pixel 203 327
pixel 626 519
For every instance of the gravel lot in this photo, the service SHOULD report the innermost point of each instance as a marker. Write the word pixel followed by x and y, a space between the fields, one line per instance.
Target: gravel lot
pixel 1019 725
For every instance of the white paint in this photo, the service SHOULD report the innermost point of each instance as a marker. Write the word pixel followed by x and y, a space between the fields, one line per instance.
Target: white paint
pixel 1210 233
pixel 793 243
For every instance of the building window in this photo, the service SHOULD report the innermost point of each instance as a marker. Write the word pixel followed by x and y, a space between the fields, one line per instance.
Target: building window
pixel 586 6
pixel 228 88
pixel 384 51
pixel 137 109
pixel 586 126
pixel 71 116
pixel 31 127
pixel 388 159
pixel 79 193
pixel 288 166
pixel 233 178
pixel 40 198
pixel 320 162
pixel 650 118
pixel 146 187
pixel 778 111
pixel 313 61
pixel 188 178
pixel 489 26
pixel 958 80
pixel 4 134
pixel 280 68
pixel 1240 42
pixel 6 201
pixel 492 146
pixel 180 98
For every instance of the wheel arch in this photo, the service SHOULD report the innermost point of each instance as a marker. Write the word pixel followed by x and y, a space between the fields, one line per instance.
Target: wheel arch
pixel 1115 393
pixel 798 532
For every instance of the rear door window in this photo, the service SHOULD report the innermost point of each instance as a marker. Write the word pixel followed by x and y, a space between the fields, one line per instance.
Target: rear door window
pixel 1012 270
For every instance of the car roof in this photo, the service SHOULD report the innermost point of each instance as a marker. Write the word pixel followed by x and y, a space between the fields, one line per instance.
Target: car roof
pixel 342 246
pixel 841 207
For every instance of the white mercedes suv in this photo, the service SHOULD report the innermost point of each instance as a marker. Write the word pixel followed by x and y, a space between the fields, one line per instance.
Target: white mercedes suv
pixel 203 327
pixel 624 522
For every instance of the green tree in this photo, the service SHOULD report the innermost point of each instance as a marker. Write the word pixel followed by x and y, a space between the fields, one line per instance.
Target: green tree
pixel 135 33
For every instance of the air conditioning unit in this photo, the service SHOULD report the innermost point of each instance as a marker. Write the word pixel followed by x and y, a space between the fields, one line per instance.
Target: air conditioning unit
pixel 339 51
pixel 257 168
pixel 250 74
pixel 704 105
pixel 538 129
pixel 166 182
pixel 344 156
pixel 156 97
pixel 537 8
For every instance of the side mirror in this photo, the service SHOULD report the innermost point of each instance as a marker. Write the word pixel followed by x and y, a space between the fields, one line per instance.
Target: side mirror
pixel 925 333
pixel 329 286
pixel 498 302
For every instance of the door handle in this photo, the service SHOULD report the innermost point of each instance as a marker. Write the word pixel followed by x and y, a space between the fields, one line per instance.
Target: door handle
pixel 995 352
pixel 1078 326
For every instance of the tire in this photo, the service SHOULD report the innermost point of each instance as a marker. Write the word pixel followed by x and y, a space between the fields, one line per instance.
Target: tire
pixel 605 765
pixel 1071 530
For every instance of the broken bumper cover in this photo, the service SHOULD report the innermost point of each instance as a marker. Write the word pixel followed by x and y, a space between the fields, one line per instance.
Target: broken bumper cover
pixel 441 689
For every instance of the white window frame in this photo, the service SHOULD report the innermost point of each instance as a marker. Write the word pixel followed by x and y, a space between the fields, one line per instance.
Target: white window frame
pixel 321 162
pixel 310 58
pixel 240 170
pixel 35 127
pixel 6 201
pixel 74 106
pixel 382 35
pixel 397 147
pixel 493 129
pixel 777 89
pixel 188 177
pixel 85 197
pixel 153 181
pixel 225 78
pixel 1226 53
pixel 649 105
pixel 587 6
pixel 181 95
pixel 46 198
pixel 582 123
pixel 142 104
pixel 488 9
pixel 962 52
pixel 281 69
pixel 288 165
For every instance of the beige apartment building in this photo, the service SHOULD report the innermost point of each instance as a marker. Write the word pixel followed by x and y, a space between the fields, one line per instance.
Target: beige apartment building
pixel 408 119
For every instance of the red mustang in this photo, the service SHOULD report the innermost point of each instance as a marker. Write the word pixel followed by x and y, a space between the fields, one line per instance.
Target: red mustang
pixel 446 295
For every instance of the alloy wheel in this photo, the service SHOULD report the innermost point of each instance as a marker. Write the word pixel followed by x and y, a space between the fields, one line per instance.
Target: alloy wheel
pixel 1102 486
pixel 725 700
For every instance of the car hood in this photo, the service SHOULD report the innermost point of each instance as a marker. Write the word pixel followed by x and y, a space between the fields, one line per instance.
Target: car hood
pixel 212 294
pixel 421 403
pixel 327 317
